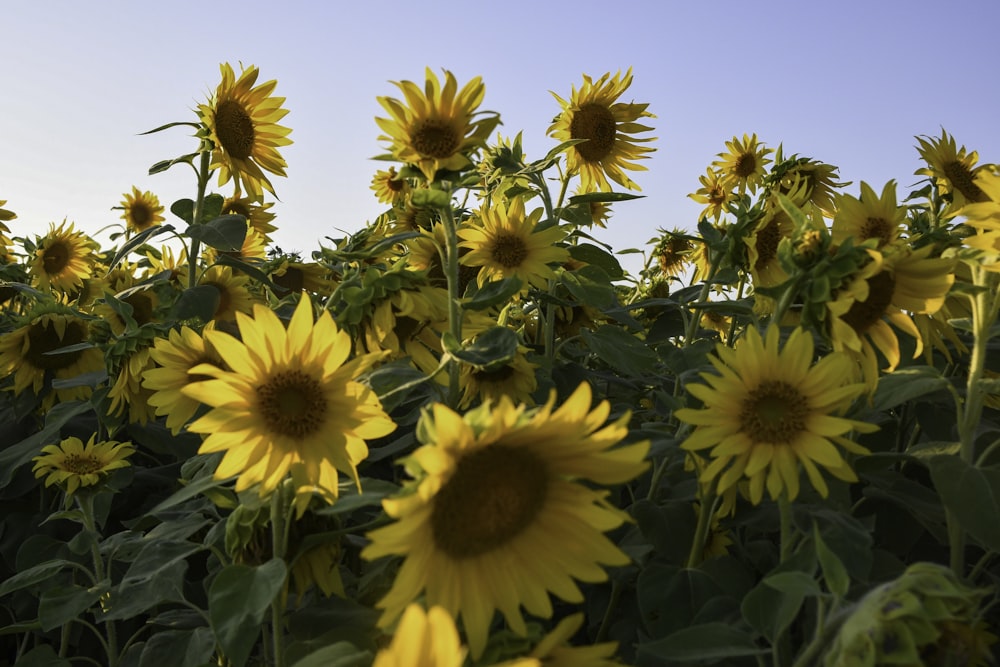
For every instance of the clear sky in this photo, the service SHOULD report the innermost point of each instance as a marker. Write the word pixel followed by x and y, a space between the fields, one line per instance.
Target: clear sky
pixel 849 83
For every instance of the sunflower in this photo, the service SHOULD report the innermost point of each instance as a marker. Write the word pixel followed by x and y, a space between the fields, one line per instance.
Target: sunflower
pixel 424 253
pixel 143 302
pixel 242 123
pixel 609 128
pixel 903 280
pixel 5 242
pixel 165 262
pixel 506 242
pixel 389 187
pixel 423 639
pixel 870 217
pixel 297 276
pixel 496 518
pixel 175 356
pixel 673 252
pixel 73 465
pixel 743 166
pixel 514 379
pixel 951 168
pixel 812 181
pixel 770 409
pixel 257 213
pixel 407 323
pixel 254 249
pixel 234 297
pixel 32 351
pixel 554 649
pixel 762 247
pixel 128 393
pixel 290 404
pixel 714 193
pixel 435 129
pixel 142 210
pixel 64 258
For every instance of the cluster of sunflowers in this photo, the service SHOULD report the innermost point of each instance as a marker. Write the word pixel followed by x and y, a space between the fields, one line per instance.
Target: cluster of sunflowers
pixel 466 435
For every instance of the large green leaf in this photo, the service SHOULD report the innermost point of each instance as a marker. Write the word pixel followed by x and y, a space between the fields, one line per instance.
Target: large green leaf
pixel 35 575
pixel 709 641
pixel 341 654
pixel 491 348
pixel 58 606
pixel 237 601
pixel 972 494
pixel 225 233
pixel 621 350
pixel 178 648
pixel 13 457
pixel 905 385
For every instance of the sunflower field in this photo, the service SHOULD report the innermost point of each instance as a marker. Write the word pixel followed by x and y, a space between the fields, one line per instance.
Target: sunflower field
pixel 466 435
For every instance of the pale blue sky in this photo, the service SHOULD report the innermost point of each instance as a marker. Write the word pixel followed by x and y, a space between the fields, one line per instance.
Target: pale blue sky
pixel 849 83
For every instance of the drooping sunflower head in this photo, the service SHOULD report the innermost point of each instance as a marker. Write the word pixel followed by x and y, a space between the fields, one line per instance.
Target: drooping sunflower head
pixel 142 210
pixel 128 396
pixel 607 127
pixel 769 411
pixel 951 168
pixel 241 121
pixel 869 217
pixel 743 165
pixel 507 242
pixel 436 128
pixel 73 465
pixel 64 258
pixel 762 247
pixel 496 490
pixel 810 181
pixel 673 253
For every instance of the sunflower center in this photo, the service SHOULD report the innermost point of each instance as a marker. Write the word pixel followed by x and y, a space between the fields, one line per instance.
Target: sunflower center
pixel 43 337
pixel 877 228
pixel 774 412
pixel 499 374
pixel 292 403
pixel 395 184
pixel 493 494
pixel 234 127
pixel 746 165
pixel 509 250
pixel 141 216
pixel 595 123
pixel 435 138
pixel 961 178
pixel 237 208
pixel 142 307
pixel 56 257
pixel 863 314
pixel 768 238
pixel 225 298
pixel 81 465
pixel 292 279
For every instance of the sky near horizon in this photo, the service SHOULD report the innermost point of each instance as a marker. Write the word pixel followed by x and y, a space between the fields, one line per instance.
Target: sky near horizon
pixel 849 83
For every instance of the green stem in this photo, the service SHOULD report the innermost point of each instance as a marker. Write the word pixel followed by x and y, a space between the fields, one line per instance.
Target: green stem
pixel 280 509
pixel 199 204
pixel 705 511
pixel 785 519
pixel 616 593
pixel 454 307
pixel 85 502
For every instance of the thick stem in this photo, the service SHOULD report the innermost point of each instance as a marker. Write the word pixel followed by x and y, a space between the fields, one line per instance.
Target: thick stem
pixel 280 509
pixel 454 307
pixel 199 203
pixel 85 502
pixel 705 511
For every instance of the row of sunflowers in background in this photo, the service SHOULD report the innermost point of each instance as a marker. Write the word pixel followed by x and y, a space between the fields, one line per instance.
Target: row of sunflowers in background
pixel 465 435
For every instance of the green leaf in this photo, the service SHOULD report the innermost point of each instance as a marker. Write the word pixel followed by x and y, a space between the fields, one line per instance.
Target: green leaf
pixel 198 302
pixel 834 573
pixel 190 490
pixel 183 209
pixel 225 233
pixel 794 583
pixel 178 648
pixel 14 456
pixel 493 293
pixel 169 125
pixel 341 654
pixel 491 348
pixel 621 350
pixel 905 385
pixel 163 165
pixel 972 494
pixel 43 656
pixel 669 596
pixel 35 575
pixel 429 198
pixel 709 641
pixel 249 269
pixel 589 285
pixel 603 197
pixel 769 611
pixel 595 256
pixel 139 594
pixel 237 601
pixel 58 606
pixel 138 240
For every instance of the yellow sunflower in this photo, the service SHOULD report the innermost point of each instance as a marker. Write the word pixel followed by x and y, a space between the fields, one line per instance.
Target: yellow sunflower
pixel 743 166
pixel 609 127
pixel 870 217
pixel 143 302
pixel 64 258
pixel 951 168
pixel 234 297
pixel 554 649
pixel 128 393
pixel 257 213
pixel 73 465
pixel 423 640
pixel 5 241
pixel 812 181
pixel 407 323
pixel 254 248
pixel 31 352
pixel 984 217
pixel 242 123
pixel 142 210
pixel 902 280
pixel 175 356
pixel 496 517
pixel 762 247
pixel 714 193
pixel 390 188
pixel 768 410
pixel 515 380
pixel 673 253
pixel 435 129
pixel 297 276
pixel 166 262
pixel 290 404
pixel 506 242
